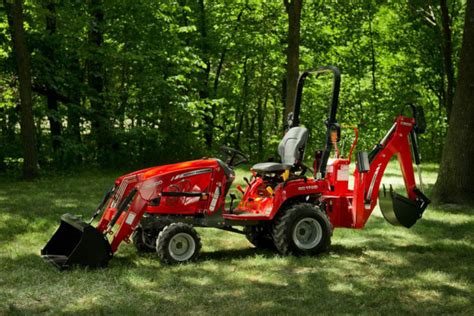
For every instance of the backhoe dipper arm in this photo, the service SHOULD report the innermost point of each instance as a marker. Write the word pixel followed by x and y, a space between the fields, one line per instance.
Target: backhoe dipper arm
pixel 366 186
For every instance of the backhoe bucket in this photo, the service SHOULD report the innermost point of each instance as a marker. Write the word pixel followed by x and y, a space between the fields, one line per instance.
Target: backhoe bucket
pixel 76 243
pixel 399 210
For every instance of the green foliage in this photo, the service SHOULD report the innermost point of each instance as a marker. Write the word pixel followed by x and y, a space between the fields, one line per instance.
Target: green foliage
pixel 182 77
pixel 404 67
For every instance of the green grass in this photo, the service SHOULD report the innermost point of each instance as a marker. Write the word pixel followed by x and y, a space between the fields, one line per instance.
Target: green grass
pixel 379 270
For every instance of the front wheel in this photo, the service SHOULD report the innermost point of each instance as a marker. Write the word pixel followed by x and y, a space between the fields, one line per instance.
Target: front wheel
pixel 178 242
pixel 302 229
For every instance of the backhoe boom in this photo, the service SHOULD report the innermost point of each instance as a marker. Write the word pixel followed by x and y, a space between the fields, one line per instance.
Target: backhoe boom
pixel 397 142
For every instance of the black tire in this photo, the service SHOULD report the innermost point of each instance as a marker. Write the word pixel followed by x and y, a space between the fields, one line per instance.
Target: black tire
pixel 260 237
pixel 176 238
pixel 302 229
pixel 144 240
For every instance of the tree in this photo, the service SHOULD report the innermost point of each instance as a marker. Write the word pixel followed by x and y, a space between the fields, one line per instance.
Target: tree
pixel 51 95
pixel 96 80
pixel 293 9
pixel 455 183
pixel 447 47
pixel 28 131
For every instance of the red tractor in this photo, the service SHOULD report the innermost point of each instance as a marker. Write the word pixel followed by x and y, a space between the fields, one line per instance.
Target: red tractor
pixel 281 207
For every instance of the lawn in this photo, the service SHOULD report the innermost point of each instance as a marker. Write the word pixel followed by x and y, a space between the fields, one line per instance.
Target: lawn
pixel 379 270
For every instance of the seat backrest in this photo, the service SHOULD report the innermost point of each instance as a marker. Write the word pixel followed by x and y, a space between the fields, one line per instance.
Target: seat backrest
pixel 292 146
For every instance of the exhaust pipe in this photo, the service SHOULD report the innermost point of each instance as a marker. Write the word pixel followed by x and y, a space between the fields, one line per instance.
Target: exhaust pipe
pixel 399 210
pixel 77 243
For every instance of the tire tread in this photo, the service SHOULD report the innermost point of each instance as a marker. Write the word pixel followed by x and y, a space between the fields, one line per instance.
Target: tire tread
pixel 282 224
pixel 165 236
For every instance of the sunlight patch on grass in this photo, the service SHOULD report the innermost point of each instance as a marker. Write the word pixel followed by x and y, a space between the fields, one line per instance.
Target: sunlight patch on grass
pixel 65 203
pixel 439 277
pixel 343 288
pixel 453 218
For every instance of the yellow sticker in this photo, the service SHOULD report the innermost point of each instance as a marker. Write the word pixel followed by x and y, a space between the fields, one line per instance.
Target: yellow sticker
pixel 269 190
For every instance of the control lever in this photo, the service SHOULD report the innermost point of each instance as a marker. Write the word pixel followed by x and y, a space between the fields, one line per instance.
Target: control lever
pixel 231 207
pixel 240 189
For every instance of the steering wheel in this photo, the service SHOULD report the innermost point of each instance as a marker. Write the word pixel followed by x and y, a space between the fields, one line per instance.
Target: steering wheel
pixel 232 154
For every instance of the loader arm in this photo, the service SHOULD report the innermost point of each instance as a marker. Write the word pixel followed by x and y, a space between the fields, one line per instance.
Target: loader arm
pixel 399 141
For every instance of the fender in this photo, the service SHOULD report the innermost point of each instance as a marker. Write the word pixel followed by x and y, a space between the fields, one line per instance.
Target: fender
pixel 303 188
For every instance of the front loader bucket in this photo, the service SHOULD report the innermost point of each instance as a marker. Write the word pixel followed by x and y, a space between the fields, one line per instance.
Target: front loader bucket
pixel 76 243
pixel 399 210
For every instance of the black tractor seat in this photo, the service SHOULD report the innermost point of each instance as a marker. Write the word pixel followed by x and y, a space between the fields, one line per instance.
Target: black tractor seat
pixel 270 167
pixel 291 151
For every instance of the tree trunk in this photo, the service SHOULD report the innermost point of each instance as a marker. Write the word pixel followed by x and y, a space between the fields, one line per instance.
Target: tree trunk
pixel 447 57
pixel 54 122
pixel 250 139
pixel 74 111
pixel 276 118
pixel 204 76
pixel 261 108
pixel 261 105
pixel 96 81
pixel 455 183
pixel 3 127
pixel 293 9
pixel 243 108
pixel 3 123
pixel 13 117
pixel 51 97
pixel 20 49
pixel 372 53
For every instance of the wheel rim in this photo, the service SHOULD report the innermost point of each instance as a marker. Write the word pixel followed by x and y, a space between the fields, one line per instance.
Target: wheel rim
pixel 307 233
pixel 181 247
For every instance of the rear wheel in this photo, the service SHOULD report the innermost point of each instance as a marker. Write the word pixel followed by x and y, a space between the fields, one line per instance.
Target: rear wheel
pixel 302 229
pixel 259 236
pixel 178 242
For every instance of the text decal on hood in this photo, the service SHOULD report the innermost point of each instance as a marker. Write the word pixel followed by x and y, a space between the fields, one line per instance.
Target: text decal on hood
pixel 191 173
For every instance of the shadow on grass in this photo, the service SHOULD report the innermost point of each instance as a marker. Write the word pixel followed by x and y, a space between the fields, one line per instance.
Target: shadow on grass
pixel 295 285
pixel 236 254
pixel 342 250
pixel 252 252
pixel 228 281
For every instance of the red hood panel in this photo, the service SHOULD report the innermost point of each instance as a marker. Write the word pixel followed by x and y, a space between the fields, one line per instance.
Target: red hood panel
pixel 180 166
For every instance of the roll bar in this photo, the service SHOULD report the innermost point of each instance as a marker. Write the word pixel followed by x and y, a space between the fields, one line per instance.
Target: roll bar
pixel 331 122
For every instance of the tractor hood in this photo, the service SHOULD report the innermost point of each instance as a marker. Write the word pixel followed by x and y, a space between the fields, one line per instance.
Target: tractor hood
pixel 185 176
pixel 202 165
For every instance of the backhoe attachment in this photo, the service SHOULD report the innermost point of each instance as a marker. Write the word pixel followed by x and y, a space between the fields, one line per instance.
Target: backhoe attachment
pixel 399 210
pixel 400 142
